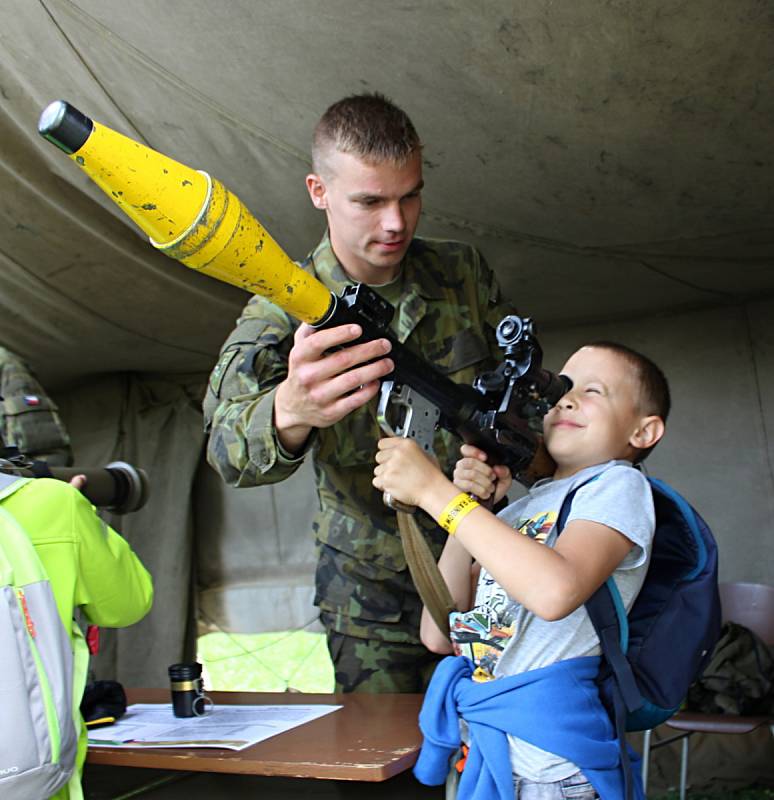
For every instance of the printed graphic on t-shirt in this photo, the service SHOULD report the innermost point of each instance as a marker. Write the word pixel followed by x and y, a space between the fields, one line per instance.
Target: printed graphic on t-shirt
pixel 482 633
pixel 539 526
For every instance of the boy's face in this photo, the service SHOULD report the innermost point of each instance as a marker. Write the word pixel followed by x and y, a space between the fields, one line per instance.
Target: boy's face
pixel 600 418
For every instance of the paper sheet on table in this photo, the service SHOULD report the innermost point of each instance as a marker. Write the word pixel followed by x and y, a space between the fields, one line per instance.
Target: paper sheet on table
pixel 230 727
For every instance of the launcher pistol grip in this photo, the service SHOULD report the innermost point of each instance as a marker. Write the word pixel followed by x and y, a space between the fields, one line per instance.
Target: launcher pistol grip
pixel 404 412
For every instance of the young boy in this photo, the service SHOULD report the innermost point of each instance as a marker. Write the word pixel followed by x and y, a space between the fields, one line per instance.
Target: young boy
pixel 527 626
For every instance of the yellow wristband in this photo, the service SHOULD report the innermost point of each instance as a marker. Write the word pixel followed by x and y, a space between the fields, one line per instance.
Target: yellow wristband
pixel 458 508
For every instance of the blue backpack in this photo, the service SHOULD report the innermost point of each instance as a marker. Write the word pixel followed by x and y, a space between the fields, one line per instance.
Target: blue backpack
pixel 652 655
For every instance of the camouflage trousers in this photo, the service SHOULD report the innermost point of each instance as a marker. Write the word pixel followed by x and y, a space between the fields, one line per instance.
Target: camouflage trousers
pixel 376 666
pixel 371 615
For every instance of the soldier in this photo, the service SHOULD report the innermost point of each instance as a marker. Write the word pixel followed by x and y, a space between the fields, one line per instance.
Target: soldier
pixel 280 391
pixel 29 419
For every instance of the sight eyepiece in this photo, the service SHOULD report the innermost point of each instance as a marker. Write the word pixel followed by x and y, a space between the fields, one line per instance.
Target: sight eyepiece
pixel 551 387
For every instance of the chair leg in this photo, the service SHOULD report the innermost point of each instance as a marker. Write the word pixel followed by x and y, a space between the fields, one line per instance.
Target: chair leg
pixel 645 759
pixel 684 768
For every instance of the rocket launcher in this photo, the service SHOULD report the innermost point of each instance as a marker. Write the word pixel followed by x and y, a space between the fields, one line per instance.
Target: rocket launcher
pixel 191 217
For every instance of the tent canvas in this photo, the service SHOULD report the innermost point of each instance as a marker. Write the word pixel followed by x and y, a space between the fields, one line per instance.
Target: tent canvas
pixel 612 161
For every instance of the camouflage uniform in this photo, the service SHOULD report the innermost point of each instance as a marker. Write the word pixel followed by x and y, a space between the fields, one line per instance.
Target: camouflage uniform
pixel 447 305
pixel 29 419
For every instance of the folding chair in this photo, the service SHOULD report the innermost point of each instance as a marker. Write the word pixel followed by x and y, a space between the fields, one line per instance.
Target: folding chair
pixel 748 604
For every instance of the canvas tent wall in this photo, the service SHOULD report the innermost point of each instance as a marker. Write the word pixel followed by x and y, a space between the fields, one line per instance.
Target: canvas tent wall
pixel 612 161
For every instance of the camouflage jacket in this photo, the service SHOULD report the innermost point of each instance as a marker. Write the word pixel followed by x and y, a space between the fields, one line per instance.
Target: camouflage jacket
pixel 447 309
pixel 29 418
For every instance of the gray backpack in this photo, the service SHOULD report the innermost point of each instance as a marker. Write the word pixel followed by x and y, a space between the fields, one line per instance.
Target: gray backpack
pixel 39 729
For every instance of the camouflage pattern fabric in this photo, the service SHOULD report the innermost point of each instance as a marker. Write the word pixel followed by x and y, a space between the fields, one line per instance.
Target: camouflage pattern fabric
pixel 448 308
pixel 373 666
pixel 29 418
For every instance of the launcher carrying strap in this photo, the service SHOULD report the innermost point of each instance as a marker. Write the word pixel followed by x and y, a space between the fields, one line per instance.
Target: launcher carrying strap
pixel 424 571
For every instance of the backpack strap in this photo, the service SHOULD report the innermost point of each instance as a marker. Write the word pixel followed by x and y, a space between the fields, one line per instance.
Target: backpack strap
pixel 608 616
pixel 80 676
pixel 8 483
pixel 28 566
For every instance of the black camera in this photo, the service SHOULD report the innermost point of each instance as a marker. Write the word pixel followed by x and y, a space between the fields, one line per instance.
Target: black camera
pixel 185 683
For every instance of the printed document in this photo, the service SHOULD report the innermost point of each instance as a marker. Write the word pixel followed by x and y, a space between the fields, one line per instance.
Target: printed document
pixel 230 727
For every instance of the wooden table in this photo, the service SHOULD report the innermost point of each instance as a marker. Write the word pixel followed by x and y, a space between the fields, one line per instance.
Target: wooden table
pixel 372 738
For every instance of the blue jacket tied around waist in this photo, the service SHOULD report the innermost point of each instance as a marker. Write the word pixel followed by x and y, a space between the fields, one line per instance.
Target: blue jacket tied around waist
pixel 556 708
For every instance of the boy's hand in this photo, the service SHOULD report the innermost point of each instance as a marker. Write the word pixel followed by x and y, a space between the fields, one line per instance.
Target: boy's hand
pixel 472 474
pixel 405 471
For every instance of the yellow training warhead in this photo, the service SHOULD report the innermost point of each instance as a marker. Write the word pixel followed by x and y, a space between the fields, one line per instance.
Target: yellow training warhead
pixel 186 214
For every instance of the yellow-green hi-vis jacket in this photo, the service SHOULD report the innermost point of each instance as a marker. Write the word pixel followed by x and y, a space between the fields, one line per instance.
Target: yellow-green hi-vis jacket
pixel 89 566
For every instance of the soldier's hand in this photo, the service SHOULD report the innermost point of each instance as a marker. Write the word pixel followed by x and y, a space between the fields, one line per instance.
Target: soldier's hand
pixel 472 474
pixel 324 384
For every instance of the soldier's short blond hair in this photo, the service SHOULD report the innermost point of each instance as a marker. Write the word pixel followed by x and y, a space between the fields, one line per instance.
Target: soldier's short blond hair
pixel 368 126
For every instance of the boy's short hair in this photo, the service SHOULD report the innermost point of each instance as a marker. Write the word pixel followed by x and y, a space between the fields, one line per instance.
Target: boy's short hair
pixel 655 398
pixel 368 126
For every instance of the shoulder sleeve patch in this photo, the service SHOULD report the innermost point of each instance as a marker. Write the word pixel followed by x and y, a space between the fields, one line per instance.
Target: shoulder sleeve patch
pixel 219 372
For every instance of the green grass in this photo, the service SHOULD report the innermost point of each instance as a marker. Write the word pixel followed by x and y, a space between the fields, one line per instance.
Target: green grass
pixel 266 662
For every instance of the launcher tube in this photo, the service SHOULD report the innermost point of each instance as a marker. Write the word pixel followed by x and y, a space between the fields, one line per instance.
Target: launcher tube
pixel 186 214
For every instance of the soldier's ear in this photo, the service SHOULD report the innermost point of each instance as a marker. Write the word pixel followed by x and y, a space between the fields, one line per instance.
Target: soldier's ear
pixel 315 185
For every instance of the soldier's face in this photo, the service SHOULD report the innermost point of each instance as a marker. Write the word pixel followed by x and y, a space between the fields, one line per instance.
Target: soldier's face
pixel 372 209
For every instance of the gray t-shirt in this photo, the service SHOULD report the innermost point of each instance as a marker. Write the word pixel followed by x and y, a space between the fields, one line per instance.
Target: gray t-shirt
pixel 503 638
